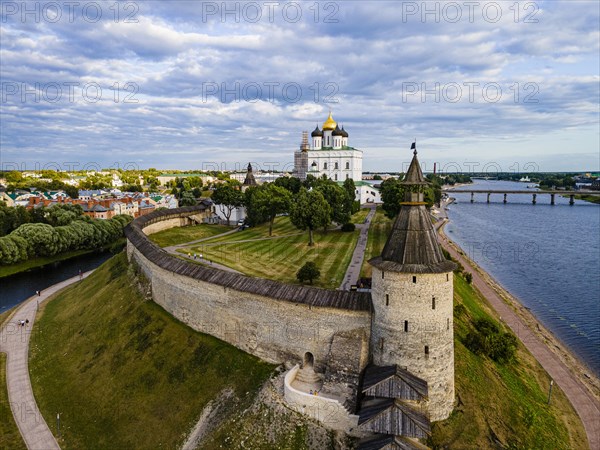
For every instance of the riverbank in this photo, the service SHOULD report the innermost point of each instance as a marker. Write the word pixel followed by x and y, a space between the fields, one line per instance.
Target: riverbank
pixel 534 335
pixel 36 263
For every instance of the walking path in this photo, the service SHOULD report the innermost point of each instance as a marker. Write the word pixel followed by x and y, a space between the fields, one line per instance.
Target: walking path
pixel 172 248
pixel 578 394
pixel 14 341
pixel 353 271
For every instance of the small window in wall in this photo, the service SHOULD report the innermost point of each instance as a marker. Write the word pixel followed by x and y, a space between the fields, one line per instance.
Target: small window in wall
pixel 381 344
pixel 414 279
pixel 447 277
pixel 427 349
pixel 336 166
pixel 387 299
pixel 447 324
pixel 347 166
pixel 324 166
pixel 406 326
pixel 432 302
pixel 382 274
pixel 336 177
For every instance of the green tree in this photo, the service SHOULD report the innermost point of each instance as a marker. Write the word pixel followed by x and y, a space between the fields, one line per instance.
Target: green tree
pixel 350 189
pixel 42 238
pixel 14 176
pixel 187 199
pixel 310 211
pixel 392 193
pixel 337 198
pixel 228 196
pixel 308 272
pixel 292 184
pixel 270 200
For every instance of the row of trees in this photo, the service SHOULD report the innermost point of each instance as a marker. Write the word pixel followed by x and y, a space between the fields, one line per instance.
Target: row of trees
pixel 41 239
pixel 312 204
pixel 12 218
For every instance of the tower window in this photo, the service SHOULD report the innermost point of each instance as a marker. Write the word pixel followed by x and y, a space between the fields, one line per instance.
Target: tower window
pixel 381 344
pixel 447 277
pixel 432 302
pixel 347 165
pixel 427 349
pixel 447 324
pixel 387 299
pixel 414 279
pixel 406 326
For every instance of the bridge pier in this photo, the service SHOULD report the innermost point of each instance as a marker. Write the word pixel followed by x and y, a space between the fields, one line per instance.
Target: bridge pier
pixel 552 199
pixel 505 198
pixel 472 197
pixel 488 196
pixel 571 199
pixel 534 199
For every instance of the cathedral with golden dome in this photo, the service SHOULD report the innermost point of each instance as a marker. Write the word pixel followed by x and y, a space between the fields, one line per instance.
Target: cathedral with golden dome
pixel 328 153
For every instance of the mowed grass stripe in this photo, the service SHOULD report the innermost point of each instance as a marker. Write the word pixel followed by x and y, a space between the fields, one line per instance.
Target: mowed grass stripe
pixel 281 257
pixel 181 235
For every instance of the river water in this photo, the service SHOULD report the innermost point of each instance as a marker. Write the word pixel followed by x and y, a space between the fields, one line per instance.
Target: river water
pixel 17 288
pixel 546 256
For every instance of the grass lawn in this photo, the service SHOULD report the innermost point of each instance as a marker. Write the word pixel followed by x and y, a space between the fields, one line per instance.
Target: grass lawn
pixel 181 235
pixel 122 372
pixel 280 258
pixel 378 234
pixel 506 404
pixel 588 198
pixel 360 216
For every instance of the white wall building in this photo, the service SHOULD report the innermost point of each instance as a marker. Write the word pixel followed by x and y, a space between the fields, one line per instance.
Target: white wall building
pixel 328 154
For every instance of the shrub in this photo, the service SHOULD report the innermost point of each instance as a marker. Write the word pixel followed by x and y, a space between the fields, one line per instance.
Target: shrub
pixel 348 227
pixel 487 339
pixel 468 277
pixel 308 272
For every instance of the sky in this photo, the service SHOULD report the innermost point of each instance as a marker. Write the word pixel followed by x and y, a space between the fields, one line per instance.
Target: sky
pixel 482 86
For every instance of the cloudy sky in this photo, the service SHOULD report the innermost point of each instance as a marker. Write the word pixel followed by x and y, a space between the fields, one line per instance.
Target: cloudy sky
pixel 480 85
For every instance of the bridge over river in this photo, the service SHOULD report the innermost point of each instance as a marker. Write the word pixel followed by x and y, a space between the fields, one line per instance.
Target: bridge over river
pixel 534 194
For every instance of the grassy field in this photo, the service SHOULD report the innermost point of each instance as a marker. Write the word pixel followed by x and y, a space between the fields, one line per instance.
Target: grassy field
pixel 378 234
pixel 502 406
pixel 360 216
pixel 125 374
pixel 281 257
pixel 181 235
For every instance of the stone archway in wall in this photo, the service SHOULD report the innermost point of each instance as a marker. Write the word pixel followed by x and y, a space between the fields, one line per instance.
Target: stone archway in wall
pixel 308 361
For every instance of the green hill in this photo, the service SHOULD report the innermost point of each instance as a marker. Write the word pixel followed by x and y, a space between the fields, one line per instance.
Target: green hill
pixel 124 374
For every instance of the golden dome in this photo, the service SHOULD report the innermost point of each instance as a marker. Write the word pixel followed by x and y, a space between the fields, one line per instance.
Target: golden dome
pixel 329 124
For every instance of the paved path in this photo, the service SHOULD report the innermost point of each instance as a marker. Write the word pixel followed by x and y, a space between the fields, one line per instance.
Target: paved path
pixel 353 271
pixel 14 341
pixel 172 248
pixel 584 403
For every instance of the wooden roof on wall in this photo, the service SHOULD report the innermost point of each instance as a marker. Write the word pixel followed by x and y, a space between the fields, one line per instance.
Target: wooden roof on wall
pixel 348 300
pixel 393 382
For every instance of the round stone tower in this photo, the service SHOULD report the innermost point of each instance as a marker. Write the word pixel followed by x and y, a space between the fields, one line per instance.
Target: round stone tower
pixel 412 293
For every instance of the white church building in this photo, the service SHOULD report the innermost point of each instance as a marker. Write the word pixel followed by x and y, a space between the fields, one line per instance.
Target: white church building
pixel 328 153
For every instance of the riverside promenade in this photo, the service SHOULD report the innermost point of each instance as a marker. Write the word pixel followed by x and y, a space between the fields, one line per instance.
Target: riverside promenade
pixel 14 341
pixel 586 406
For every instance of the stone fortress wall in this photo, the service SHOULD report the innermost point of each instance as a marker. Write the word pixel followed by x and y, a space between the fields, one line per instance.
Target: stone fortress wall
pixel 277 322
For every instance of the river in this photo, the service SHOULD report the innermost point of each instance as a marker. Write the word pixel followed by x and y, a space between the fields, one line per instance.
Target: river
pixel 19 287
pixel 546 256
